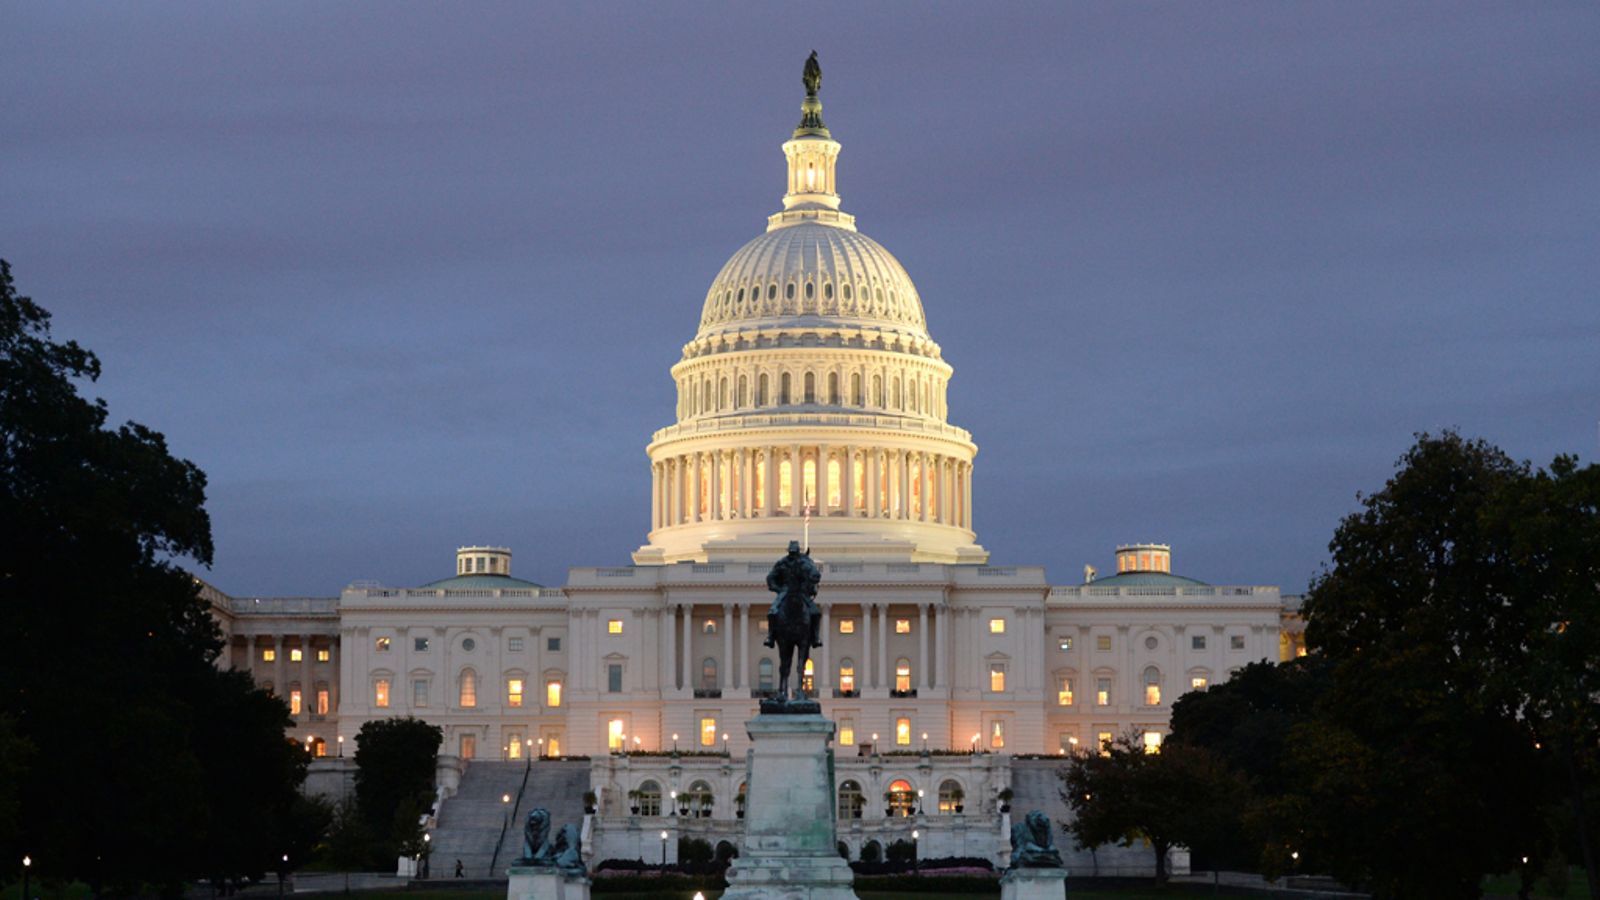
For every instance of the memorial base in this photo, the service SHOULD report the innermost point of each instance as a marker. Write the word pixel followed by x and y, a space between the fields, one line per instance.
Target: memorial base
pixel 545 883
pixel 1033 884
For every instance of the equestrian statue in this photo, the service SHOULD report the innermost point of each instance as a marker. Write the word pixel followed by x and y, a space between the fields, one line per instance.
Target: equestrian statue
pixel 794 621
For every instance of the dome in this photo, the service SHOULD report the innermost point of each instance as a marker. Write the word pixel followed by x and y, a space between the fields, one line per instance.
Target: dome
pixel 813 269
pixel 475 582
pixel 1146 579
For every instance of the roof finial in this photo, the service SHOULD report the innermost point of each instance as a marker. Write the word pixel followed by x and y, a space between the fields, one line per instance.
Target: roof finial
pixel 811 109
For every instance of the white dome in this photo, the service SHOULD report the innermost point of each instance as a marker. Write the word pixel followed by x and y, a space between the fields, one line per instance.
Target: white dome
pixel 812 269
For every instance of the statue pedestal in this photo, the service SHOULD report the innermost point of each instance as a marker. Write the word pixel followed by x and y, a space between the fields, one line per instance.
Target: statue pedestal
pixel 790 846
pixel 1033 884
pixel 545 883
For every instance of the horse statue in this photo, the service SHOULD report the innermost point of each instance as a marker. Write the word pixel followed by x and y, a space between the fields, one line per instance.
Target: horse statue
pixel 794 619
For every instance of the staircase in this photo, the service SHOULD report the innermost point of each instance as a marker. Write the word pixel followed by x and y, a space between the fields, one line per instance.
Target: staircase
pixel 471 822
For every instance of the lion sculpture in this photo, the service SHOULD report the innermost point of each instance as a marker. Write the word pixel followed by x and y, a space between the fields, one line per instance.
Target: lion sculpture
pixel 1032 846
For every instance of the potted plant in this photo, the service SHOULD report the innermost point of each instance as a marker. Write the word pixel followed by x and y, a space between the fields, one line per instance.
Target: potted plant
pixel 633 801
pixel 956 796
pixel 589 801
pixel 1005 799
pixel 738 805
pixel 683 804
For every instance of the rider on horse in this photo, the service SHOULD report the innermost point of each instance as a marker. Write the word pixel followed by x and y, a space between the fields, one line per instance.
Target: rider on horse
pixel 795 572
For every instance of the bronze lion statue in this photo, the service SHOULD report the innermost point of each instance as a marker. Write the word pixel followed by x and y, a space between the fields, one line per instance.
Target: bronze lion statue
pixel 1032 844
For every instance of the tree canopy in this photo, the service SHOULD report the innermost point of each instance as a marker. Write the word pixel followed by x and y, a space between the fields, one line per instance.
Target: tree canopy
pixel 395 765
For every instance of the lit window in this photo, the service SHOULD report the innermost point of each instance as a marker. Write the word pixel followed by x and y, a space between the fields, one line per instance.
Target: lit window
pixel 997 677
pixel 847 676
pixel 1064 696
pixel 615 731
pixel 709 626
pixel 514 692
pixel 269 655
pixel 1152 742
pixel 1236 642
pixel 552 645
pixel 1198 683
pixel 902 626
pixel 294 701
pixel 469 746
pixel 319 747
pixel 296 655
pixel 1102 642
pixel 552 693
pixel 513 745
pixel 997 734
pixel 1104 740
pixel 902 732
pixel 323 655
pixel 1300 650
pixel 614 678
pixel 708 731
pixel 808 677
pixel 613 626
pixel 997 626
pixel 900 798
pixel 1064 643
pixel 1152 687
pixel 380 693
pixel 419 692
pixel 469 689
pixel 902 675
pixel 950 795
pixel 322 701
pixel 847 732
pixel 761 626
pixel 1102 692
pixel 847 626
pixel 420 645
pixel 514 645
pixel 1197 642
pixel 851 800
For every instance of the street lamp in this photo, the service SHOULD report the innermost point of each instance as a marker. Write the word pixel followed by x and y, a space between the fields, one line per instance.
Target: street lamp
pixel 874 743
pixel 919 801
pixel 724 742
pixel 663 850
pixel 674 742
pixel 673 809
pixel 637 743
pixel 27 870
pixel 976 737
pixel 427 841
pixel 924 742
pixel 916 856
pixel 341 746
pixel 541 746
pixel 281 872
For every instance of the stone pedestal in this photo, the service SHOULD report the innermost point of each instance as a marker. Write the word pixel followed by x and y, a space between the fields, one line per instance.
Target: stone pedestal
pixel 1033 884
pixel 545 883
pixel 790 847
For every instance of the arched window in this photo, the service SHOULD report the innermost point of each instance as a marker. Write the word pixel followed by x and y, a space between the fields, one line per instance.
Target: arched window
pixel 649 799
pixel 743 392
pixel 808 677
pixel 811 289
pixel 705 395
pixel 1152 686
pixel 809 475
pixel 761 390
pixel 785 483
pixel 899 798
pixel 950 796
pixel 835 483
pixel 827 291
pixel 468 693
pixel 850 800
pixel 764 674
pixel 708 674
pixel 847 291
pixel 855 388
pixel 700 800
pixel 902 675
pixel 722 393
pixel 783 389
pixel 896 393
pixel 833 388
pixel 772 291
pixel 788 291
pixel 847 675
pixel 877 391
pixel 811 387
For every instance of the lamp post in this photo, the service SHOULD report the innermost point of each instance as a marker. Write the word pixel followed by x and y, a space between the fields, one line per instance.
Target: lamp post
pixel 27 870
pixel 674 742
pixel 672 810
pixel 282 870
pixel 874 743
pixel 916 856
pixel 541 747
pixel 505 801
pixel 341 746
pixel 919 802
pixel 724 742
pixel 924 742
pixel 638 744
pixel 427 841
pixel 528 753
pixel 663 850
pixel 976 736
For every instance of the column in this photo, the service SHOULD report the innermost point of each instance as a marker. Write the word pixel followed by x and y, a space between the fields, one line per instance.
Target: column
pixel 924 666
pixel 278 650
pixel 866 646
pixel 797 480
pixel 308 682
pixel 848 471
pixel 683 654
pixel 742 676
pixel 655 495
pixel 883 643
pixel 966 488
pixel 718 511
pixel 925 483
pixel 335 668
pixel 769 480
pixel 942 657
pixel 725 671
pixel 691 489
pixel 903 477
pixel 822 480
pixel 747 481
pixel 824 679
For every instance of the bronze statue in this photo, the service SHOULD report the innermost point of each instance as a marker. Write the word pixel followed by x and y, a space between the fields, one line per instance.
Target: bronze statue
pixel 794 621
pixel 566 850
pixel 1032 846
pixel 534 833
pixel 812 75
pixel 562 850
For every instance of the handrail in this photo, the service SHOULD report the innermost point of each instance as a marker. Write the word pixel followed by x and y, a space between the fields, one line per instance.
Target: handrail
pixel 506 825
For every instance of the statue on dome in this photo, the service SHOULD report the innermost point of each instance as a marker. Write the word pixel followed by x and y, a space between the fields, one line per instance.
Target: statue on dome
pixel 794 621
pixel 812 75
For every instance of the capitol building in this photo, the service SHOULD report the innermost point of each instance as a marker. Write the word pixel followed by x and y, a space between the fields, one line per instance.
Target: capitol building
pixel 811 406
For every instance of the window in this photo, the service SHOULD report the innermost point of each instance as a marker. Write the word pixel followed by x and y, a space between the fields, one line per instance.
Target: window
pixel 514 645
pixel 902 732
pixel 420 645
pixel 419 692
pixel 709 626
pixel 468 644
pixel 1152 742
pixel 649 799
pixel 1064 644
pixel 900 797
pixel 1152 686
pixel 708 731
pixel 708 674
pixel 847 626
pixel 1102 642
pixel 850 800
pixel 1151 642
pixel 1064 696
pixel 997 626
pixel 902 675
pixel 294 701
pixel 322 701
pixel 513 691
pixel 270 655
pixel 469 746
pixel 997 677
pixel 513 745
pixel 1102 692
pixel 808 677
pixel 323 655
pixel 847 732
pixel 616 733
pixel 614 678
pixel 764 675
pixel 847 676
pixel 382 645
pixel 468 695
pixel 950 796
pixel 1197 642
pixel 1198 683
pixel 613 626
pixel 902 626
pixel 552 693
pixel 552 645
pixel 296 655
pixel 1236 642
pixel 997 734
pixel 380 693
pixel 1104 740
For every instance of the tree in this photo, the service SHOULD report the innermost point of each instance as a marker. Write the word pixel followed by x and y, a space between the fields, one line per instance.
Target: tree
pixel 396 761
pixel 109 675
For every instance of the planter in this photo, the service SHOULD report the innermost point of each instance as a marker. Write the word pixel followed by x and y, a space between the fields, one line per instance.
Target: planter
pixel 635 809
pixel 959 808
pixel 1005 807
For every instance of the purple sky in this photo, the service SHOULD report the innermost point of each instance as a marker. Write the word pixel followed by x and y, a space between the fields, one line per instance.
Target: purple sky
pixel 402 277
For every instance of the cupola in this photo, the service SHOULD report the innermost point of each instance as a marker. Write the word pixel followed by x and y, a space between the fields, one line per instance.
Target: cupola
pixel 483 561
pixel 1144 558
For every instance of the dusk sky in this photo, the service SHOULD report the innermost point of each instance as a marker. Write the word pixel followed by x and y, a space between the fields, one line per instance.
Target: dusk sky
pixel 405 277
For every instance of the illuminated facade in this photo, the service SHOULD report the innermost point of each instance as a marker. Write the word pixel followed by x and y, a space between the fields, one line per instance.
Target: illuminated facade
pixel 811 401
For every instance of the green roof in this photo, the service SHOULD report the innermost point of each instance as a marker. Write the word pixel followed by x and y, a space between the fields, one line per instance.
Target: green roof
pixel 1146 579
pixel 480 582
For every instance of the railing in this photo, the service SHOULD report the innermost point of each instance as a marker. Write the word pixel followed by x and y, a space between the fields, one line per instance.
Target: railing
pixel 1090 590
pixel 515 807
pixel 903 694
pixel 708 693
pixel 844 694
pixel 284 606
pixel 741 422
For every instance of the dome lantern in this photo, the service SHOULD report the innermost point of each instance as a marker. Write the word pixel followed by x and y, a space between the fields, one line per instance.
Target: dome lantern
pixel 813 154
